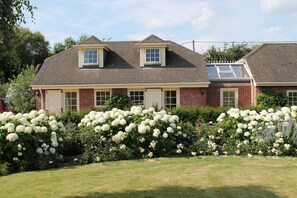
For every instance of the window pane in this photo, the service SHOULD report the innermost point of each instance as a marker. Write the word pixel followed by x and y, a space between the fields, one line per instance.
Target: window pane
pixel 137 97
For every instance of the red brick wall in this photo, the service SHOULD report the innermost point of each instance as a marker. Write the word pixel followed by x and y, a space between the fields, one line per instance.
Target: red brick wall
pixel 123 91
pixel 38 99
pixel 86 98
pixel 244 94
pixel 193 96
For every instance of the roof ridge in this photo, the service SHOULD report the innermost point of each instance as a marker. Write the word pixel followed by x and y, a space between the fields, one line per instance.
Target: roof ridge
pixel 254 51
pixel 60 53
pixel 152 36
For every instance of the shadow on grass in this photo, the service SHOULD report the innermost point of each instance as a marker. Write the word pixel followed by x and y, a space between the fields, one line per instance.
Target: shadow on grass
pixel 185 192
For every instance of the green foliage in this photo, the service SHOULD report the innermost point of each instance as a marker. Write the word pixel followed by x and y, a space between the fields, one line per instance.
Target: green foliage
pixel 11 16
pixel 271 99
pixel 196 115
pixel 23 97
pixel 31 47
pixel 70 117
pixel 227 53
pixel 118 101
pixel 3 89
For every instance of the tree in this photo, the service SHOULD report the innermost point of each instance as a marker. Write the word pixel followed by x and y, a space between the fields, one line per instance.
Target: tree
pixel 68 42
pixel 11 16
pixel 31 47
pixel 23 97
pixel 228 53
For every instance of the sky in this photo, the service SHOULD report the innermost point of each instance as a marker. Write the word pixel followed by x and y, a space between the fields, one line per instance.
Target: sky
pixel 178 20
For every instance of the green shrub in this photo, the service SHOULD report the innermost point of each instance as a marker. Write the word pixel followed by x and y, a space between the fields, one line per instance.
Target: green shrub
pixel 271 99
pixel 30 141
pixel 248 132
pixel 196 115
pixel 117 134
pixel 69 117
pixel 118 101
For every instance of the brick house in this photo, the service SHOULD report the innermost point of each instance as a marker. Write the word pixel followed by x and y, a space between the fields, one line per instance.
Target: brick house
pixel 158 72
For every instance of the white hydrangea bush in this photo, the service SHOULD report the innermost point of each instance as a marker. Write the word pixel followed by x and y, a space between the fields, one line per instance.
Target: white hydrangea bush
pixel 30 137
pixel 142 132
pixel 248 132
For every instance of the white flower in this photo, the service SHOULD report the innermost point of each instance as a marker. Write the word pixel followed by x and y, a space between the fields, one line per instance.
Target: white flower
pixel 141 149
pixel 20 128
pixel 75 159
pixel 150 154
pixel 152 123
pixel 237 152
pixel 52 118
pixel 153 144
pixel 123 147
pixel 279 134
pixel 142 139
pixel 250 155
pixel 12 137
pixel 165 135
pixel 52 150
pixel 54 127
pixel 141 129
pixel 20 153
pixel 201 139
pixel 43 129
pixel 178 151
pixel 10 130
pixel 156 132
pixel 170 130
pixel 98 159
pixel 216 153
pixel 39 151
pixel 28 130
pixel 123 122
pixel 240 125
pixel 260 152
pixel 239 130
pixel 287 146
pixel 270 110
pixel 19 147
pixel 105 127
pixel 193 153
pixel 247 134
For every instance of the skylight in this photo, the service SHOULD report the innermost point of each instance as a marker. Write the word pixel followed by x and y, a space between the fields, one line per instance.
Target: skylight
pixel 226 70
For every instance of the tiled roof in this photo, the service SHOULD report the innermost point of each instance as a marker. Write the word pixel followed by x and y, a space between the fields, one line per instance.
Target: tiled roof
pixel 122 66
pixel 273 63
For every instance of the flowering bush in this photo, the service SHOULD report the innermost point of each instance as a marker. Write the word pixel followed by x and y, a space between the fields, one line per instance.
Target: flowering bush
pixel 119 134
pixel 30 140
pixel 269 132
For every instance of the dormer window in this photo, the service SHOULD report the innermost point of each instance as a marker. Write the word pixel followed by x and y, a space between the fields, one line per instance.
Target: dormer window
pixel 90 57
pixel 152 55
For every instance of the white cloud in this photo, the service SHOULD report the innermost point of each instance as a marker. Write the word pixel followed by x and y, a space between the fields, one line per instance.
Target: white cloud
pixel 279 6
pixel 204 19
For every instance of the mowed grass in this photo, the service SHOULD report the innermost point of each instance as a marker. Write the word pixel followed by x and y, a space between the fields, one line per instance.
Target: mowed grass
pixel 162 177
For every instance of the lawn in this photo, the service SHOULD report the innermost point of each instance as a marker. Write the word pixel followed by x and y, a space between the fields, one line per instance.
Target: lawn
pixel 162 177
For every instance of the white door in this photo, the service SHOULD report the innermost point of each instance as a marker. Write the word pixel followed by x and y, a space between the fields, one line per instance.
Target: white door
pixel 153 98
pixel 54 101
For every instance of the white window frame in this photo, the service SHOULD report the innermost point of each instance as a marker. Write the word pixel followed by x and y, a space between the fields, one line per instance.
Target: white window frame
pixel 152 62
pixel 144 95
pixel 64 99
pixel 291 91
pixel 83 58
pixel 222 90
pixel 177 97
pixel 95 96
